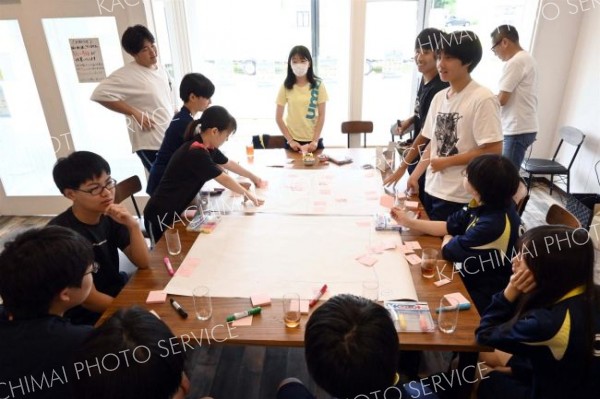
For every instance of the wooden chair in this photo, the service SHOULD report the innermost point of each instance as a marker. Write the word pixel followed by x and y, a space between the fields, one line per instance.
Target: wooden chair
pixel 521 198
pixel 541 166
pixel 266 141
pixel 559 215
pixel 357 127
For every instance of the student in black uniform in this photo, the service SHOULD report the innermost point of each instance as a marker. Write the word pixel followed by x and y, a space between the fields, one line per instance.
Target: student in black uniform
pixel 548 313
pixel 43 273
pixel 197 161
pixel 482 236
pixel 430 85
pixel 150 359
pixel 84 178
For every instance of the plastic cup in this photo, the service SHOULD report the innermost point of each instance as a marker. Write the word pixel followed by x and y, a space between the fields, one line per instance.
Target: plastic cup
pixel 429 258
pixel 448 315
pixel 202 302
pixel 370 289
pixel 173 242
pixel 291 310
pixel 250 151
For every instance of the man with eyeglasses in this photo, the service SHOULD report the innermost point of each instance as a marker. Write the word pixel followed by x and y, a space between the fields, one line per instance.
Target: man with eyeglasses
pixel 141 90
pixel 84 178
pixel 43 273
pixel 517 93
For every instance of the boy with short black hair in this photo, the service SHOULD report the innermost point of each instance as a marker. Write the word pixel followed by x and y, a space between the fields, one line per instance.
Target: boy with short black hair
pixel 195 91
pixel 463 122
pixel 351 348
pixel 84 178
pixel 43 273
pixel 141 90
pixel 141 342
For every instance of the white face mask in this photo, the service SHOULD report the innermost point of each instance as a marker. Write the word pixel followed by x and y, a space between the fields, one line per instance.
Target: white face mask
pixel 299 69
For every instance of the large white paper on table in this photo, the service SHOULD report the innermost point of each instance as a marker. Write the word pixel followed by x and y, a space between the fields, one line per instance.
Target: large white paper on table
pixel 278 254
pixel 312 192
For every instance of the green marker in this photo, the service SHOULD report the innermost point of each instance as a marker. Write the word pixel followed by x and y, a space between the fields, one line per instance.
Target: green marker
pixel 245 313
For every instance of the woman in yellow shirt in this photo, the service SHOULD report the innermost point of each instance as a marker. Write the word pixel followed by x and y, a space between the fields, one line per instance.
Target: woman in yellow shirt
pixel 305 96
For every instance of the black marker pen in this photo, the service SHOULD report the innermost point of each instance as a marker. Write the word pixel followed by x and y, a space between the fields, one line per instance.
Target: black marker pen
pixel 178 308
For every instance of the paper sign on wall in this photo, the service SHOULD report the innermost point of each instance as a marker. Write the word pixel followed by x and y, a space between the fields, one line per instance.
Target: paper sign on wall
pixel 88 59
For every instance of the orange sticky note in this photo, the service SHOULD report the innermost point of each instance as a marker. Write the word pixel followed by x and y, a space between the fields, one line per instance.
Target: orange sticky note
pixel 156 297
pixel 386 201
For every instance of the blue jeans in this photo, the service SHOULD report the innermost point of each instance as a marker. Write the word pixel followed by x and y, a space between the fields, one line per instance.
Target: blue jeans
pixel 515 146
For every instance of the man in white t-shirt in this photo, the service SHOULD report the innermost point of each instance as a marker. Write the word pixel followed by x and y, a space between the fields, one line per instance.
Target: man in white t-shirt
pixel 463 122
pixel 142 91
pixel 517 93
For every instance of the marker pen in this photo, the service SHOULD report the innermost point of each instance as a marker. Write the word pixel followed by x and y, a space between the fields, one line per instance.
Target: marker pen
pixel 178 308
pixel 168 266
pixel 462 306
pixel 245 313
pixel 314 301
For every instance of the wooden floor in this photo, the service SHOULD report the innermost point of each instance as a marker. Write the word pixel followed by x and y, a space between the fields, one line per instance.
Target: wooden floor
pixel 253 372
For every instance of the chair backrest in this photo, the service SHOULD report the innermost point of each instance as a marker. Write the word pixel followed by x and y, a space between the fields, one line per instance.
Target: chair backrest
pixel 265 141
pixel 357 127
pixel 559 215
pixel 521 198
pixel 127 188
pixel 573 136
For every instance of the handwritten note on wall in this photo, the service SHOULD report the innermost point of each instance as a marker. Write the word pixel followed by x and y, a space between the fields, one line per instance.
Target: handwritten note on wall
pixel 88 59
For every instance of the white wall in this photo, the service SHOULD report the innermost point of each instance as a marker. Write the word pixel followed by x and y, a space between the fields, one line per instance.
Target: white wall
pixel 567 48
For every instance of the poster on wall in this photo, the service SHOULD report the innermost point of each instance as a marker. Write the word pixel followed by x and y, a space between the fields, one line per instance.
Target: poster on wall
pixel 88 59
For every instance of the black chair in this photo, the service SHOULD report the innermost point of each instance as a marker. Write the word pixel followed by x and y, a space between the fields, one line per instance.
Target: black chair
pixel 267 141
pixel 357 127
pixel 127 188
pixel 539 166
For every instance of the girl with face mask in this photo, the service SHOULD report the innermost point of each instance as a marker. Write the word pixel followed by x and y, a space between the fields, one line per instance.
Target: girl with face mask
pixel 305 96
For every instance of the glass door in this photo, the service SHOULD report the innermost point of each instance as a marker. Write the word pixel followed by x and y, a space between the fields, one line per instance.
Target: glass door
pixel 45 110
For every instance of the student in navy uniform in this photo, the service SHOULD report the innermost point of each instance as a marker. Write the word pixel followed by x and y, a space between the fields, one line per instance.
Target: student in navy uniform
pixel 482 236
pixel 43 273
pixel 195 91
pixel 197 161
pixel 351 348
pixel 151 359
pixel 428 87
pixel 84 178
pixel 549 312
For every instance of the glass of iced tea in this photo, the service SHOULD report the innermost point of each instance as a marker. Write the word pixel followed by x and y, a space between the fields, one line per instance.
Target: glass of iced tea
pixel 291 310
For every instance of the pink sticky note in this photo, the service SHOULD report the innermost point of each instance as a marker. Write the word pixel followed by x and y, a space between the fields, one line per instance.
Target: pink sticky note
pixel 156 297
pixel 260 300
pixel 367 260
pixel 441 282
pixel 413 259
pixel 386 201
pixel 341 199
pixel 405 249
pixel 411 204
pixel 320 209
pixel 187 267
pixel 320 203
pixel 377 249
pixel 325 192
pixel 457 296
pixel 389 245
pixel 413 244
pixel 303 305
pixel 363 223
pixel 243 322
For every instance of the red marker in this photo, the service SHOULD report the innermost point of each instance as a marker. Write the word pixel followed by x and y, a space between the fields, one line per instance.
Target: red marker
pixel 168 266
pixel 314 301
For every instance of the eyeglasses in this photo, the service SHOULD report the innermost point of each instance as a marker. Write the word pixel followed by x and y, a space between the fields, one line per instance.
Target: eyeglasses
pixel 496 44
pixel 95 268
pixel 110 184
